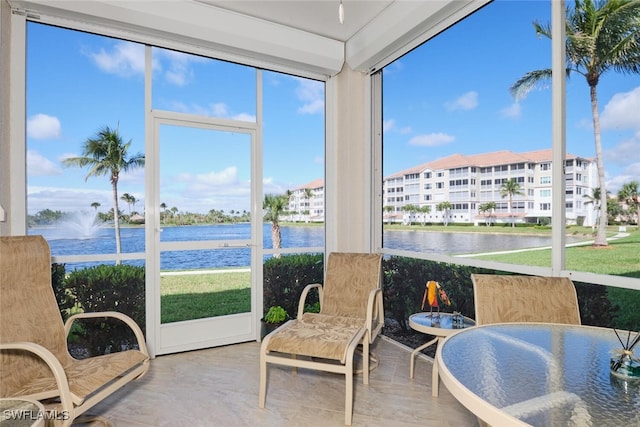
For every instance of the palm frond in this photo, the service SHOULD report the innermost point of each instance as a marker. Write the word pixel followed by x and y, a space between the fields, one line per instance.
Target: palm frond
pixel 528 82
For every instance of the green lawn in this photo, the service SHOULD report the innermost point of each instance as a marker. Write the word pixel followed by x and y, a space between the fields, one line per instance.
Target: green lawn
pixel 620 258
pixel 197 295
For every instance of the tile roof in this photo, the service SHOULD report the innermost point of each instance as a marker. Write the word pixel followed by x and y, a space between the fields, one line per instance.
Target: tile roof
pixel 313 185
pixel 495 158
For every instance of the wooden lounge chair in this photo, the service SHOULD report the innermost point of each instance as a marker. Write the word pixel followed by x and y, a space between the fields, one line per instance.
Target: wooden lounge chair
pixel 34 360
pixel 512 298
pixel 351 313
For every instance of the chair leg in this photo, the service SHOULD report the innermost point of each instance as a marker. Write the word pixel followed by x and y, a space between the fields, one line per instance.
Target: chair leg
pixel 348 400
pixel 365 359
pixel 263 379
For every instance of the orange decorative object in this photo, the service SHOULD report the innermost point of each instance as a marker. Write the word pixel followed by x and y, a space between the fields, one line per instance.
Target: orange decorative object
pixel 443 297
pixel 431 296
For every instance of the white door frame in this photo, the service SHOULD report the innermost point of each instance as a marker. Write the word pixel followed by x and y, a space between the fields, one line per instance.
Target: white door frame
pixel 196 334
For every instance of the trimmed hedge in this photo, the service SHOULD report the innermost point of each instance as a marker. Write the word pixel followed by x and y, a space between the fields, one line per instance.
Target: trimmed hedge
pixel 285 278
pixel 108 288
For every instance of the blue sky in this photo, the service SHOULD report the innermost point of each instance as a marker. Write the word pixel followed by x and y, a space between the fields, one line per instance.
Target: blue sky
pixel 79 83
pixel 451 96
pixel 448 96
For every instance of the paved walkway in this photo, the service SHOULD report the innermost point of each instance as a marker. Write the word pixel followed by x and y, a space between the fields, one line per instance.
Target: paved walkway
pixel 541 248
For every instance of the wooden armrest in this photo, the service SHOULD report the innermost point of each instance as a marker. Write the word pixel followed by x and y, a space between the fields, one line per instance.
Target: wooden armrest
pixel 142 345
pixel 67 399
pixel 303 297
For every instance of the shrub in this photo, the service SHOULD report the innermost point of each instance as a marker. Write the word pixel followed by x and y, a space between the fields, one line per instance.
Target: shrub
pixel 276 314
pixel 108 288
pixel 624 308
pixel 63 297
pixel 285 278
pixel 405 280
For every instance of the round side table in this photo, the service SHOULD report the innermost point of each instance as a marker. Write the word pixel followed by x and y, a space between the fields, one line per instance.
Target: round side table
pixel 439 325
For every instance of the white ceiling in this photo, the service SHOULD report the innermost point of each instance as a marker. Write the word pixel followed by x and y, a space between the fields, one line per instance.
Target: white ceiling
pixel 314 16
pixel 302 37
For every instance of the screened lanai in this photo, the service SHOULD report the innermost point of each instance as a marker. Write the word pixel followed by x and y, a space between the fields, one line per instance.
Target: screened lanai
pixel 304 39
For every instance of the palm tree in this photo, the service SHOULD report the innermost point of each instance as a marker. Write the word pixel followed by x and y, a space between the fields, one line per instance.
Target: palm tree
pixel 601 36
pixel 95 205
pixel 509 189
pixel 308 194
pixel 445 208
pixel 163 206
pixel 275 205
pixel 594 199
pixel 411 209
pixel 424 210
pixel 487 209
pixel 106 154
pixel 629 194
pixel 387 212
pixel 128 199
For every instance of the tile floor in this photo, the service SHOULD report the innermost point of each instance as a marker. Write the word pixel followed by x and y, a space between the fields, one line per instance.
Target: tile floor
pixel 219 387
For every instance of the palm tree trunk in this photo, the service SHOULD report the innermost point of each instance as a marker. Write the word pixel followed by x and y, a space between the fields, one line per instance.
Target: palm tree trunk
pixel 601 235
pixel 276 237
pixel 513 221
pixel 116 217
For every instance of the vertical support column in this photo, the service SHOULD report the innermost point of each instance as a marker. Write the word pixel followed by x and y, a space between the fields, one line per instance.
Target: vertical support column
pixel 13 162
pixel 558 97
pixel 348 159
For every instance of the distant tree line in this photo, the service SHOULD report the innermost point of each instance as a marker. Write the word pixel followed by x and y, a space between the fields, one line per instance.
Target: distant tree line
pixel 167 217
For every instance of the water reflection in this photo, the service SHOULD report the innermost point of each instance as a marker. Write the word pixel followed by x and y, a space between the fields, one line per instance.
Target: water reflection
pixel 462 243
pixel 103 242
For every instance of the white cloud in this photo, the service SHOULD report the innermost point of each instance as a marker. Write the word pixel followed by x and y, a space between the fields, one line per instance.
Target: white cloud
pixel 225 177
pixel 313 107
pixel 625 156
pixel 179 71
pixel 625 152
pixel 245 117
pixel 67 199
pixel 622 111
pixel 511 112
pixel 42 126
pixel 388 125
pixel 431 140
pixel 203 192
pixel 125 59
pixel 179 74
pixel 207 181
pixel 467 101
pixel 38 165
pixel 311 93
pixel 391 126
pixel 220 109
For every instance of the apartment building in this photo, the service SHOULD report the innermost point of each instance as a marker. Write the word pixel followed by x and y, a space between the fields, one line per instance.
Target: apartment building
pixel 306 202
pixel 469 181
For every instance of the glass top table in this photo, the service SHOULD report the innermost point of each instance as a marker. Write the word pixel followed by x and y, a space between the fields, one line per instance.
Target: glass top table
pixel 538 374
pixel 439 325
